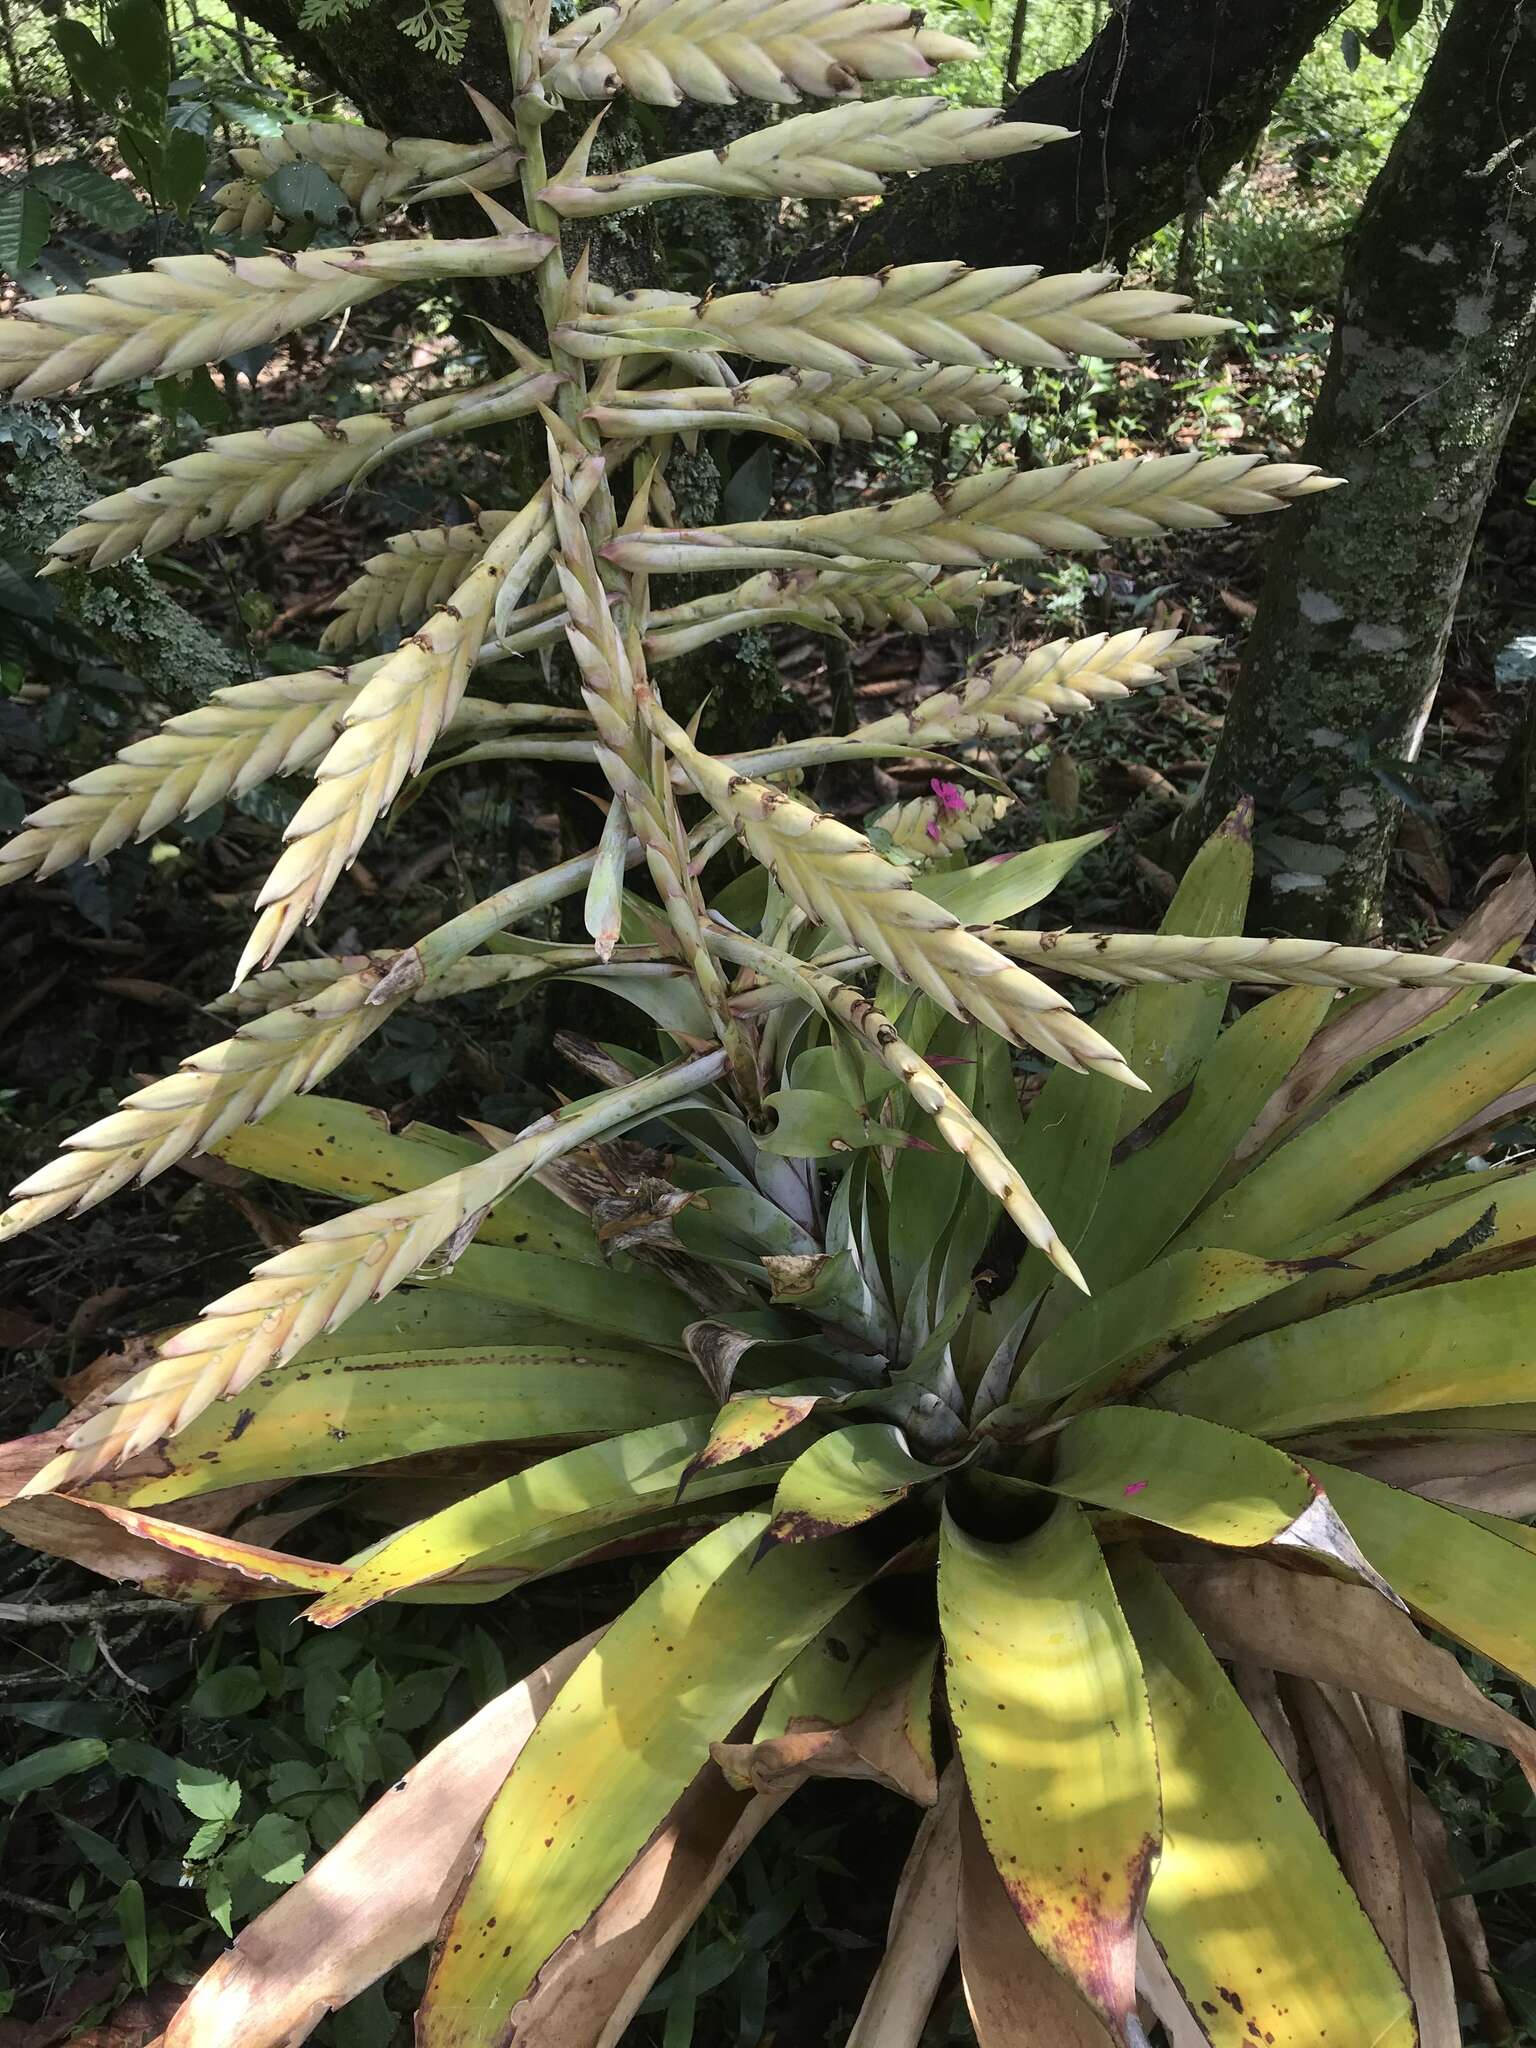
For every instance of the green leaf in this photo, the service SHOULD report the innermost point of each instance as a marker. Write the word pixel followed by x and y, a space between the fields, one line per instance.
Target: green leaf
pixel 811 1125
pixel 1260 1928
pixel 25 219
pixel 1113 1341
pixel 45 1767
pixel 1051 1716
pixel 1377 1130
pixel 1468 1344
pixel 98 73
pixel 626 1734
pixel 130 1920
pixel 183 167
pixel 995 890
pixel 845 1478
pixel 412 1703
pixel 276 1848
pixel 210 1797
pixel 141 44
pixel 748 489
pixel 237 1689
pixel 1470 1582
pixel 82 188
pixel 95 1849
pixel 304 192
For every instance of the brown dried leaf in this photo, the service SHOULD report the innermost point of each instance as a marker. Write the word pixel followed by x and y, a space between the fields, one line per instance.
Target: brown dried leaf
pixel 1015 1998
pixel 591 1988
pixel 377 1896
pixel 923 1931
pixel 1342 1635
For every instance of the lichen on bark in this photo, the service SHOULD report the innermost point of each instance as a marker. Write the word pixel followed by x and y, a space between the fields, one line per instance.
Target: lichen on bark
pixel 1434 344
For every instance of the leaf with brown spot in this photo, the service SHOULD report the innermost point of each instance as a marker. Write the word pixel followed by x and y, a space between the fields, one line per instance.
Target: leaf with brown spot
pixel 1051 1716
pixel 1256 1920
pixel 856 1703
pixel 748 1422
pixel 846 1477
pixel 167 1559
pixel 1014 1997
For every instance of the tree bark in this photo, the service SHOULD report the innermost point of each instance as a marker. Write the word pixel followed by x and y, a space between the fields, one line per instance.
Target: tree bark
pixel 1167 98
pixel 1435 340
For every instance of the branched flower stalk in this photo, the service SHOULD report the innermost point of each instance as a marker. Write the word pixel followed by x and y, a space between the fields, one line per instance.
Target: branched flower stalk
pixel 830 1046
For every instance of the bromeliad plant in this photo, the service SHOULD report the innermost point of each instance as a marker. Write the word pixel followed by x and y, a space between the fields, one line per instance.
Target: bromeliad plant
pixel 808 1296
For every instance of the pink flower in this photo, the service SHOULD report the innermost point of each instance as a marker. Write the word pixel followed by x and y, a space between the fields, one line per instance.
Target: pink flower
pixel 950 796
pixel 1136 1486
pixel 932 829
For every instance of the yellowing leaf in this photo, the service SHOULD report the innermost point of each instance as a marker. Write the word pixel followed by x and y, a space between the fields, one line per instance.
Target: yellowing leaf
pixel 342 1414
pixel 1261 1931
pixel 844 1478
pixel 1107 1345
pixel 1051 1715
pixel 1214 1484
pixel 634 1725
pixel 517 1520
pixel 1472 1583
pixel 1469 1344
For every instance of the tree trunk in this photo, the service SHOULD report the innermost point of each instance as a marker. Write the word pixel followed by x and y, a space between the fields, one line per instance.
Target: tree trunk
pixel 1435 340
pixel 1167 98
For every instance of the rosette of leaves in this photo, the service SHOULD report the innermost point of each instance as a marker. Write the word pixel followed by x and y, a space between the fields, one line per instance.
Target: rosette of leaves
pixel 748 1288
pixel 1101 1583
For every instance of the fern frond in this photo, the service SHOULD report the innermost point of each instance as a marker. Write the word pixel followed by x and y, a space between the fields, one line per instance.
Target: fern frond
pixel 816 404
pixel 270 475
pixel 390 726
pixel 721 51
pixel 1027 689
pixel 998 514
pixel 376 171
pixel 839 154
pixel 334 1268
pixel 188 310
pixel 1128 958
pixel 274 1056
pixel 835 876
pixel 910 317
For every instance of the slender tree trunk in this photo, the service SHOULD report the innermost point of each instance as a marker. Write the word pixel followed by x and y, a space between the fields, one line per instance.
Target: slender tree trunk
pixel 1168 92
pixel 1016 29
pixel 1435 341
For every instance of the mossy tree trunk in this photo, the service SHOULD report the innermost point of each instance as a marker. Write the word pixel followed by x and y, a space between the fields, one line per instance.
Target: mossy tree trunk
pixel 1165 100
pixel 1435 340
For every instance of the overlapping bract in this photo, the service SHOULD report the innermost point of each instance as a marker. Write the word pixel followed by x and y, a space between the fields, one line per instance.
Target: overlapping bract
pixel 190 310
pixel 998 514
pixel 377 172
pixel 843 153
pixel 668 51
pixel 912 316
pixel 270 475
